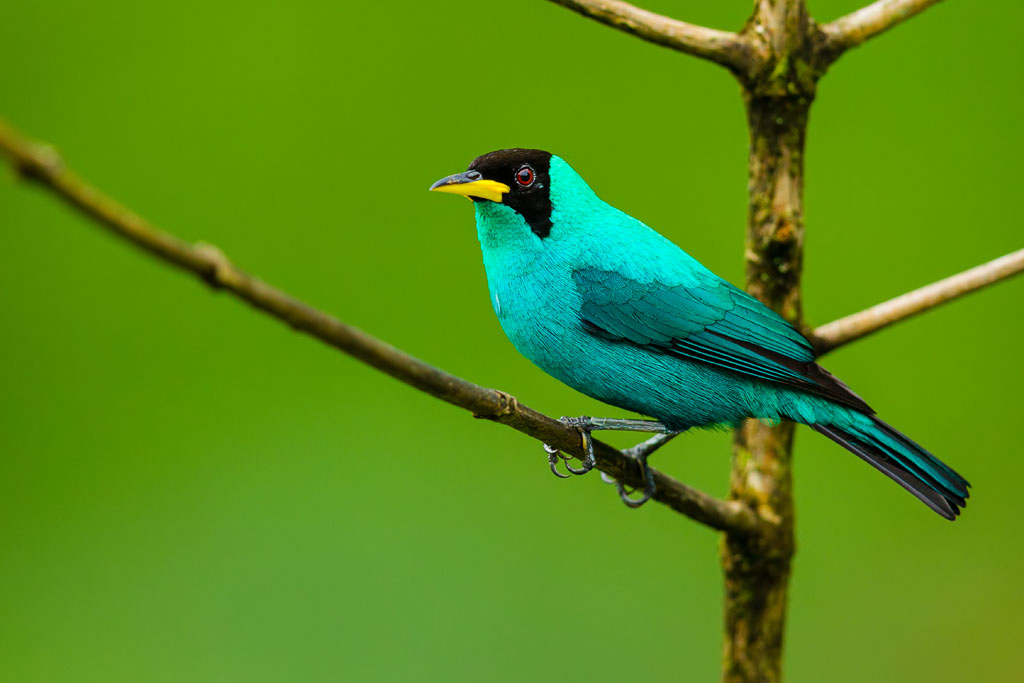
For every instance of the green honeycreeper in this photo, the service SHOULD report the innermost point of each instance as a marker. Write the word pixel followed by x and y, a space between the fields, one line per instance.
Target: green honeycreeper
pixel 607 305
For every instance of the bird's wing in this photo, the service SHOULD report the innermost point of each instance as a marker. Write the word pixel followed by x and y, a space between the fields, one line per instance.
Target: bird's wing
pixel 709 321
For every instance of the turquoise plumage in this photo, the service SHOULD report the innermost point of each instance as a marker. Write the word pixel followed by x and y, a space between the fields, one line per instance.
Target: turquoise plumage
pixel 607 305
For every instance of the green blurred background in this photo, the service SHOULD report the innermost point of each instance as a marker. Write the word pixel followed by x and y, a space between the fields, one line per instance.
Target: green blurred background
pixel 189 491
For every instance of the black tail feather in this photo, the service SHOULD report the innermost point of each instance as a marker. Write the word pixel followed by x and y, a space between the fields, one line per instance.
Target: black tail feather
pixel 936 495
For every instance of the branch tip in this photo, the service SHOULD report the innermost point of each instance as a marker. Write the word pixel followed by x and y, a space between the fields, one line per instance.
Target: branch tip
pixel 866 23
pixel 731 50
pixel 853 327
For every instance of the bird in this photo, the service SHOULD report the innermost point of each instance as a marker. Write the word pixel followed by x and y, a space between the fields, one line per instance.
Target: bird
pixel 610 307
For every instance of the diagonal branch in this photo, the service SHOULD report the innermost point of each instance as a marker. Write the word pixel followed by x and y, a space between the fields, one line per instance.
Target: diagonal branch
pixel 728 49
pixel 40 163
pixel 853 327
pixel 866 23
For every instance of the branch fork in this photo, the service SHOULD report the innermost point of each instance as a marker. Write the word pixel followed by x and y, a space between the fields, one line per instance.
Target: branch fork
pixel 757 49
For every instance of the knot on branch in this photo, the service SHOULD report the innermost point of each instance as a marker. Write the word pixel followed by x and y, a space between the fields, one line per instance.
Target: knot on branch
pixel 779 246
pixel 505 405
pixel 217 266
pixel 39 162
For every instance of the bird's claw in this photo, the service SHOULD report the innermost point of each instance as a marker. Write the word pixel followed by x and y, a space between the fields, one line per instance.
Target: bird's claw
pixel 583 425
pixel 648 476
pixel 553 455
pixel 588 453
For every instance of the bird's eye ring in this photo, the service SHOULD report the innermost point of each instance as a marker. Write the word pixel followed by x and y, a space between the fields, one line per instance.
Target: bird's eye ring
pixel 525 176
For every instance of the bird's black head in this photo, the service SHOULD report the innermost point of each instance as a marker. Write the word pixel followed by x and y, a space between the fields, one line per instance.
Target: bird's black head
pixel 518 178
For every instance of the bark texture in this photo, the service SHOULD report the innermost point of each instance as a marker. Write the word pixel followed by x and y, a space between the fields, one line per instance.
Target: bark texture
pixel 778 97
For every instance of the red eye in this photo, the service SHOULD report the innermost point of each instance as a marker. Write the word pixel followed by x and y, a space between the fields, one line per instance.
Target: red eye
pixel 524 176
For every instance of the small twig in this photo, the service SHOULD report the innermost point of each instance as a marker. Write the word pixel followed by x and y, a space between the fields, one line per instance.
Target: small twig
pixel 867 22
pixel 852 327
pixel 40 163
pixel 722 47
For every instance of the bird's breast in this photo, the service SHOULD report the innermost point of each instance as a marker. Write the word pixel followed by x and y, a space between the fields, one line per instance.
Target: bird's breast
pixel 537 307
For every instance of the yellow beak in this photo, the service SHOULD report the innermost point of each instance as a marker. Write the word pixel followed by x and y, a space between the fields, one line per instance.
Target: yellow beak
pixel 471 184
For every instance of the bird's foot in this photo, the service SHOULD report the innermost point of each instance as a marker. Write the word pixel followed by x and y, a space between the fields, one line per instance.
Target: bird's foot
pixel 625 494
pixel 583 425
pixel 640 452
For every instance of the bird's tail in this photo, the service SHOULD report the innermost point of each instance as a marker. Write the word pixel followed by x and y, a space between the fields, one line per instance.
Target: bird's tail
pixel 905 462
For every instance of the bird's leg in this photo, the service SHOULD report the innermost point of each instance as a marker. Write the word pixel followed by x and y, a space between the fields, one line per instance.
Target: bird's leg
pixel 640 452
pixel 606 424
pixel 644 448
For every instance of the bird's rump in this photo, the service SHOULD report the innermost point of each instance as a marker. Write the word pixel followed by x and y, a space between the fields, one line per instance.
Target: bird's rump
pixel 710 322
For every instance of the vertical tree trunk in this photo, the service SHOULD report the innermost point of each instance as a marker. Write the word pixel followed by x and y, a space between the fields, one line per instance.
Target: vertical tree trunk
pixel 757 568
